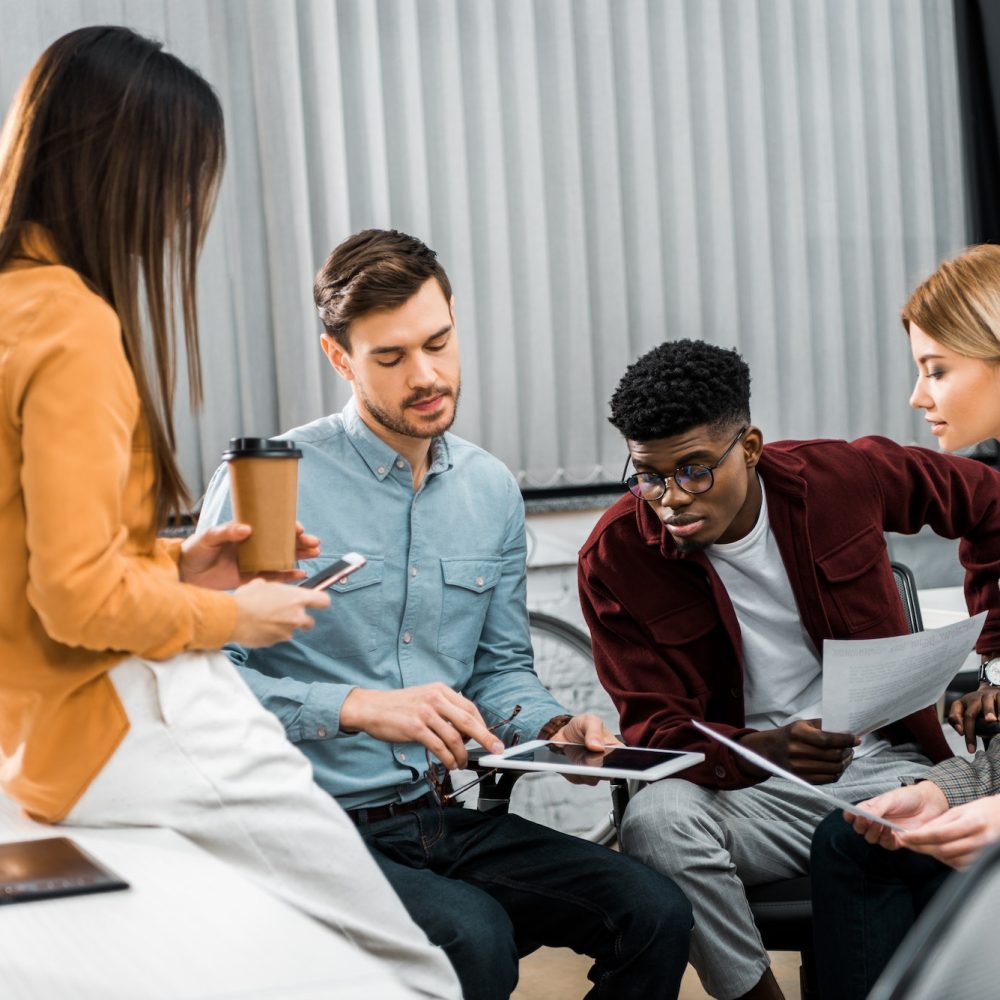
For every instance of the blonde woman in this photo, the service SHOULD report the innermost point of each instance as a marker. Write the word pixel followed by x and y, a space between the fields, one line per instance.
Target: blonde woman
pixel 869 883
pixel 114 711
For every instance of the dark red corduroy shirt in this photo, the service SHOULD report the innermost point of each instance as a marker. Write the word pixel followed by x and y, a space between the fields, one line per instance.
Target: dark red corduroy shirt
pixel 666 640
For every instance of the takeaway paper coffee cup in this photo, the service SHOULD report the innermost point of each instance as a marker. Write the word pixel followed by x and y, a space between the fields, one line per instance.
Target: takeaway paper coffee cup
pixel 264 479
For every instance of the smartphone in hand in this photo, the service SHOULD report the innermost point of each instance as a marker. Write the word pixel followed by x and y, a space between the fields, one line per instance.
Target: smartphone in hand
pixel 344 566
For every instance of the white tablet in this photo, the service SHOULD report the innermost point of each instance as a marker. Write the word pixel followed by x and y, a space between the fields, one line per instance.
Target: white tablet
pixel 637 763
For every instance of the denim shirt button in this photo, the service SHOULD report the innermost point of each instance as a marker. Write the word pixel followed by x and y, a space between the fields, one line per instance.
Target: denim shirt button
pixel 479 581
pixel 381 470
pixel 407 638
pixel 321 733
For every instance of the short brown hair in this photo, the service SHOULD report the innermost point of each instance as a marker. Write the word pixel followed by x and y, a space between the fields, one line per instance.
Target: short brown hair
pixel 374 269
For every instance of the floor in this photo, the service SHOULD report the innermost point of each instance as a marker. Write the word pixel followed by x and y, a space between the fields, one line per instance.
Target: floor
pixel 560 974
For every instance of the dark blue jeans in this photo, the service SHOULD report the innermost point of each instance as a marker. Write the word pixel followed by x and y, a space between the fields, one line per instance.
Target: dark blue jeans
pixel 865 899
pixel 489 889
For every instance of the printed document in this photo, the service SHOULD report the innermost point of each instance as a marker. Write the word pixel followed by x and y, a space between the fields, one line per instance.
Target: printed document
pixel 868 683
pixel 820 790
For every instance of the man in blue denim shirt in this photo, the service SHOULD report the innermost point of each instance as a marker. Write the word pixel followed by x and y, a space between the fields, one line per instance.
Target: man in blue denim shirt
pixel 427 646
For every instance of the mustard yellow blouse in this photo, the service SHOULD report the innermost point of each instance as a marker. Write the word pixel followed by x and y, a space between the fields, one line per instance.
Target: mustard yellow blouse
pixel 84 581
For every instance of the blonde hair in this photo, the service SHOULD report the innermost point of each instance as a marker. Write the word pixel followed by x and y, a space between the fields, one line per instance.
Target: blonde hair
pixel 959 304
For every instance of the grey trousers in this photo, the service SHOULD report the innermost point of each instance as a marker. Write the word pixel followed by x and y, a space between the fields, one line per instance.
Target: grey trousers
pixel 713 843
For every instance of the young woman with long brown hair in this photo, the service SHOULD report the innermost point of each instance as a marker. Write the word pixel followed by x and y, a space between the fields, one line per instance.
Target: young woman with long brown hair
pixel 113 709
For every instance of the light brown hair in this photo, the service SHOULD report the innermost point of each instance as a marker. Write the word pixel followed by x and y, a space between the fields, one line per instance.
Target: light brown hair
pixel 116 148
pixel 959 304
pixel 374 269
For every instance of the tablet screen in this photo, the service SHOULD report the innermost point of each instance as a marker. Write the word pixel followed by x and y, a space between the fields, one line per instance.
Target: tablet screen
pixel 619 758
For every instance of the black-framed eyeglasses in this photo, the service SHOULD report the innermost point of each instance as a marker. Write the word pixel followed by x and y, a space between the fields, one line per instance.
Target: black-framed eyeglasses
pixel 437 777
pixel 689 478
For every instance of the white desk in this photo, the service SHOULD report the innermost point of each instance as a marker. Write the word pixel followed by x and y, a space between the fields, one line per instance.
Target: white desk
pixel 190 928
pixel 942 606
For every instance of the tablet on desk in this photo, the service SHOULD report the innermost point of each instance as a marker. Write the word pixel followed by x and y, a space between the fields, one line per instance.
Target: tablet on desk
pixel 637 763
pixel 42 869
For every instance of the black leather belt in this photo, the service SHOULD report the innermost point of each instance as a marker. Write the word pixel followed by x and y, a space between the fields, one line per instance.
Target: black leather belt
pixel 376 813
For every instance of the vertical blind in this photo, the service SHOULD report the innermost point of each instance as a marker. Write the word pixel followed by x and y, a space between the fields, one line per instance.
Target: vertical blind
pixel 596 175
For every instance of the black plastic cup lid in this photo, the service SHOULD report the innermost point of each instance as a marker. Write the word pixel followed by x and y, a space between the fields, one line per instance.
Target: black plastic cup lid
pixel 260 448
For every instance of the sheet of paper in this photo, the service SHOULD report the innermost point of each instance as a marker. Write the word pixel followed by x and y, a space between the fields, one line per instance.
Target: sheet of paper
pixel 820 790
pixel 868 683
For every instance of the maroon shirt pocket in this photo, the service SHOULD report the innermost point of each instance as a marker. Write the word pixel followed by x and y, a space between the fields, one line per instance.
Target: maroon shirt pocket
pixel 684 625
pixel 858 579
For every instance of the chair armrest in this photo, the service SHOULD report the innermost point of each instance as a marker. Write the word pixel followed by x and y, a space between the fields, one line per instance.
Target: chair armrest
pixel 619 801
pixel 495 788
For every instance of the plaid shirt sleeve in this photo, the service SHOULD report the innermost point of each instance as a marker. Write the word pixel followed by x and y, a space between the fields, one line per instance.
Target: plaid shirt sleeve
pixel 966 780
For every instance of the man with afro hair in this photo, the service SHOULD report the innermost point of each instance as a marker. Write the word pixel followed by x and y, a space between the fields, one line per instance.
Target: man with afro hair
pixel 709 588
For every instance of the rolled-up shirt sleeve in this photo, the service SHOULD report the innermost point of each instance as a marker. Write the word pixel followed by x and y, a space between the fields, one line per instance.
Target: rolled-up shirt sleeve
pixel 308 710
pixel 964 780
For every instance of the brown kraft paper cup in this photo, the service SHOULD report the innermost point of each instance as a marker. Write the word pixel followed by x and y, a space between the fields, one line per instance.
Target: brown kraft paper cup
pixel 263 480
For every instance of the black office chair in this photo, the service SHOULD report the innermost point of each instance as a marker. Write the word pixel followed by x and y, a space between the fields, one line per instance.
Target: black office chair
pixel 949 951
pixel 906 587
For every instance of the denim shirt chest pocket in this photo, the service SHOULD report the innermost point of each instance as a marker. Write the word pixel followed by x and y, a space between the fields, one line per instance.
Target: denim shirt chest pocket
pixel 465 598
pixel 353 621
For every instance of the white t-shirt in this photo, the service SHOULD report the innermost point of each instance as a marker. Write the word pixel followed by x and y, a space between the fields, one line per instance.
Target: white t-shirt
pixel 783 672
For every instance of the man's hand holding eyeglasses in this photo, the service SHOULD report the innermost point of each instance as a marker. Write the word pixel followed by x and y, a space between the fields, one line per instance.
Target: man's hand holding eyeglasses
pixel 433 715
pixel 593 734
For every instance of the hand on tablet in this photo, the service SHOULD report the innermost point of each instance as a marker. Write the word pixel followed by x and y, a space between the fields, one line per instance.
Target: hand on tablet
pixel 431 714
pixel 616 761
pixel 590 731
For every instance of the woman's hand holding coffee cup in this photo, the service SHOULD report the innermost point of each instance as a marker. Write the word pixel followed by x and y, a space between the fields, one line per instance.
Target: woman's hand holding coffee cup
pixel 272 612
pixel 209 558
pixel 263 482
